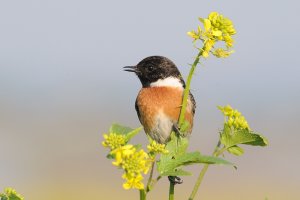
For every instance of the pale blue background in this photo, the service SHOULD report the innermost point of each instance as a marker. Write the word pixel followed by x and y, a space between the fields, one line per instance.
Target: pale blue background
pixel 62 85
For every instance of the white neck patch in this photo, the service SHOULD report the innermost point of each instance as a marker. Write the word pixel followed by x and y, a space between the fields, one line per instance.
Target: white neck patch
pixel 167 82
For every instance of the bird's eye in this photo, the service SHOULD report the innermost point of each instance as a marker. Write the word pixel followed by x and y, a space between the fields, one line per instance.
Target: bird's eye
pixel 150 68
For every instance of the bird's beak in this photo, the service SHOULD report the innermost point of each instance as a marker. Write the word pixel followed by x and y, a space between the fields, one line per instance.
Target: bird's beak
pixel 130 69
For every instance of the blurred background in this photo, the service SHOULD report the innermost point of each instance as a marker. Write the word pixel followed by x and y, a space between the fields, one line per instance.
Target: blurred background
pixel 62 86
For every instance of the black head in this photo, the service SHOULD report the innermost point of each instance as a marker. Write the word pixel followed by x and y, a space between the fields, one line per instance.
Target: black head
pixel 153 68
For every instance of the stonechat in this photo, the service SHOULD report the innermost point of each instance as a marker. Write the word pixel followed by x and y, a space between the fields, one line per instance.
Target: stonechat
pixel 159 101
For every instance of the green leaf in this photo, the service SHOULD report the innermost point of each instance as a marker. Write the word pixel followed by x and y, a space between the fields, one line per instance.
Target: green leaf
pixel 176 146
pixel 3 197
pixel 176 172
pixel 231 137
pixel 110 156
pixel 235 150
pixel 124 130
pixel 196 157
pixel 120 129
pixel 132 133
pixel 171 166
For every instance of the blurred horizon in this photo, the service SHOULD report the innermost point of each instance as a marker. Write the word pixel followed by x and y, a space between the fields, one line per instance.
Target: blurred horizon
pixel 62 85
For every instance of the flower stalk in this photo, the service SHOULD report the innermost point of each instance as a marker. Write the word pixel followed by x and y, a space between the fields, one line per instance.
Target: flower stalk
pixel 187 89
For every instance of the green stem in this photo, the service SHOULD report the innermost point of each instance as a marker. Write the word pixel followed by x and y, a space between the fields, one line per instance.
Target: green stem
pixel 148 187
pixel 153 183
pixel 216 153
pixel 142 195
pixel 198 182
pixel 171 190
pixel 187 89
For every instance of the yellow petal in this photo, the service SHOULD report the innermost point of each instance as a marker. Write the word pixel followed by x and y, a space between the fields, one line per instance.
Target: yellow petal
pixel 192 34
pixel 104 144
pixel 217 33
pixel 139 185
pixel 205 54
pixel 207 24
pixel 212 15
pixel 127 185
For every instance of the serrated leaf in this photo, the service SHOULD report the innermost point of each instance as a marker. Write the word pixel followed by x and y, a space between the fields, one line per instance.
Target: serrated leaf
pixel 242 136
pixel 259 141
pixel 171 165
pixel 176 146
pixel 235 150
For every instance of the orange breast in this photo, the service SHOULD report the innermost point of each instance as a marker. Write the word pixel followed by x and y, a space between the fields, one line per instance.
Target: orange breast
pixel 153 100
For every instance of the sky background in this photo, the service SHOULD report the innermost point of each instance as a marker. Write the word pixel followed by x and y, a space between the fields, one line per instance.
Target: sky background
pixel 62 86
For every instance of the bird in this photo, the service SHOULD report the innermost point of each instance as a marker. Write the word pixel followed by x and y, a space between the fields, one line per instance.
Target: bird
pixel 158 103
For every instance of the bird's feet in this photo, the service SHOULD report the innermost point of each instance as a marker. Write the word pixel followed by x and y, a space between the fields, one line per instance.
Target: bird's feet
pixel 175 180
pixel 176 129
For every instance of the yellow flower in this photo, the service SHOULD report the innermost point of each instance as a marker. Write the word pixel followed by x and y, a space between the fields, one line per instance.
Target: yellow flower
pixel 226 110
pixel 121 153
pixel 208 45
pixel 228 40
pixel 230 121
pixel 156 148
pixel 136 162
pixel 221 53
pixel 236 113
pixel 221 23
pixel 131 160
pixel 241 123
pixel 133 181
pixel 113 140
pixel 193 35
pixel 216 28
pixel 234 118
pixel 206 23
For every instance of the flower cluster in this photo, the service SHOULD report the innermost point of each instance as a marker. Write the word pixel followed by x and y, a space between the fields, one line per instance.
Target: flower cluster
pixel 156 148
pixel 216 28
pixel 234 119
pixel 133 161
pixel 10 194
pixel 113 140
